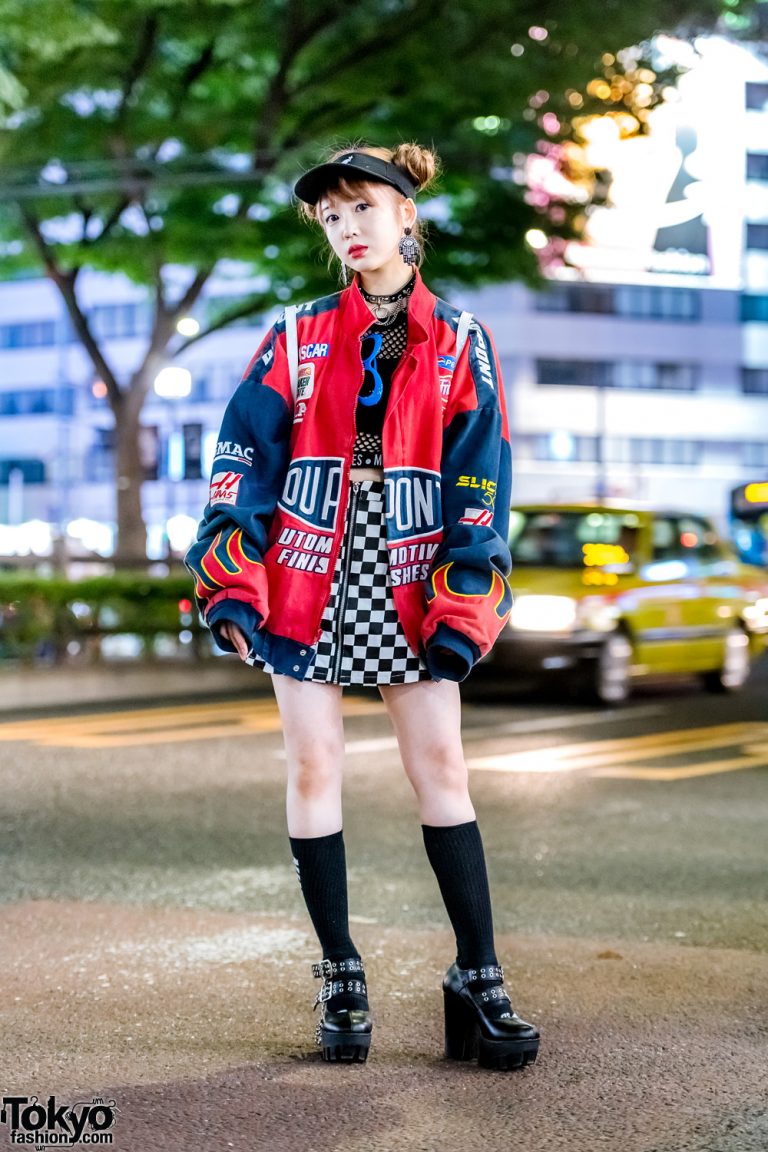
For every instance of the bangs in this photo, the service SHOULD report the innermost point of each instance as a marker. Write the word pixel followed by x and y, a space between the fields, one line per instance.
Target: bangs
pixel 355 190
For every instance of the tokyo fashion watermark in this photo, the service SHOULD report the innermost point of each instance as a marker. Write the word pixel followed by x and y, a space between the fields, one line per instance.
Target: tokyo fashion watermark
pixel 33 1122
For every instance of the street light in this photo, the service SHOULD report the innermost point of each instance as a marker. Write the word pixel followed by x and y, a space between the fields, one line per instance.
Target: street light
pixel 172 383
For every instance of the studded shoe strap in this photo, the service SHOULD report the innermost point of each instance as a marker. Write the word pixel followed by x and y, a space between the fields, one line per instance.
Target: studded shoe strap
pixel 327 969
pixel 489 972
pixel 337 987
pixel 488 995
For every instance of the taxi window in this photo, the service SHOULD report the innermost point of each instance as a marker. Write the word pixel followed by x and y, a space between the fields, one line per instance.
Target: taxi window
pixel 554 539
pixel 698 538
pixel 686 538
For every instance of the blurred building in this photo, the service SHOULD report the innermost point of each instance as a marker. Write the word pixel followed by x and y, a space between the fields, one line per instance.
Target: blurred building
pixel 640 373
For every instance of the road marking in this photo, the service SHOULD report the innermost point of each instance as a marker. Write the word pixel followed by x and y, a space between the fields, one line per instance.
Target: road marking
pixel 609 758
pixel 515 728
pixel 161 725
pixel 575 720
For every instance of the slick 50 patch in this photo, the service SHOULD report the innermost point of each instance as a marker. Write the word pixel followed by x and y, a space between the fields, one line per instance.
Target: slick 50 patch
pixel 224 487
pixel 487 487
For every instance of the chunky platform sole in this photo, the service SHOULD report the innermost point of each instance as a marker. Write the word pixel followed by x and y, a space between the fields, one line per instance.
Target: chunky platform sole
pixel 345 1048
pixel 464 1040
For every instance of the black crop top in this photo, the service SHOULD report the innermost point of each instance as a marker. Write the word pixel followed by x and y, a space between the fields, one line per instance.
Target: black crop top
pixel 382 348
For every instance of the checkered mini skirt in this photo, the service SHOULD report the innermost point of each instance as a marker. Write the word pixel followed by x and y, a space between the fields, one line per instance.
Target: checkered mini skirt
pixel 362 640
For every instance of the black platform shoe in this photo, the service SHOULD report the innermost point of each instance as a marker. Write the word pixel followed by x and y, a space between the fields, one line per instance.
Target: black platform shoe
pixel 501 1040
pixel 344 1034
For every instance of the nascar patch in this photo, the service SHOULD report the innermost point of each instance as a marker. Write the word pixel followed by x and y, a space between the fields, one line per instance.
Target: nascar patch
pixel 224 487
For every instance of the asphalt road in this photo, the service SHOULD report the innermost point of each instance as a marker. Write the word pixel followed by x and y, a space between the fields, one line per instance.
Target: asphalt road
pixel 155 950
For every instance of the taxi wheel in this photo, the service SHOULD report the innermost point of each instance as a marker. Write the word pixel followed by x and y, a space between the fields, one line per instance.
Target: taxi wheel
pixel 609 675
pixel 733 672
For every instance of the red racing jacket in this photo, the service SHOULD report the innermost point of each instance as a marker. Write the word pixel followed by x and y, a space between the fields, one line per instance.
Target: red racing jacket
pixel 267 545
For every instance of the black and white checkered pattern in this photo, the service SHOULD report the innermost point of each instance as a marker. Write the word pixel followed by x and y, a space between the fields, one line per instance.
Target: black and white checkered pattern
pixel 362 641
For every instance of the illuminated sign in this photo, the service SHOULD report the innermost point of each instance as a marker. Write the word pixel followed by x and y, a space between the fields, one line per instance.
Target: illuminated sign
pixel 598 555
pixel 756 493
pixel 675 203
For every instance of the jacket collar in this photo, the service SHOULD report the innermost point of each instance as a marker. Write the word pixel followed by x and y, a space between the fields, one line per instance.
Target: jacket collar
pixel 421 308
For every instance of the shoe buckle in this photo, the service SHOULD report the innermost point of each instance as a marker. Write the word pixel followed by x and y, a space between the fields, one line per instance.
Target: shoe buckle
pixel 324 995
pixel 324 969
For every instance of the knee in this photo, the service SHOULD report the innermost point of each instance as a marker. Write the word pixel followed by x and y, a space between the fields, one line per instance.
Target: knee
pixel 315 769
pixel 443 770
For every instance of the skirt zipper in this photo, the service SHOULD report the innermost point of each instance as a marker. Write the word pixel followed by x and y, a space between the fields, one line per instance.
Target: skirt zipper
pixel 342 607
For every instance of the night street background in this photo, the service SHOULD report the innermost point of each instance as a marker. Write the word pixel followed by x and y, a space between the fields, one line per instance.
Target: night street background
pixel 155 948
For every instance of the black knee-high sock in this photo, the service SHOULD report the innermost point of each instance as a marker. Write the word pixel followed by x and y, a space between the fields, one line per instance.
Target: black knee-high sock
pixel 458 861
pixel 321 865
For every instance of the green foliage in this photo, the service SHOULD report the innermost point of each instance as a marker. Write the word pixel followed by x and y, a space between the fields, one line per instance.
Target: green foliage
pixel 44 615
pixel 156 96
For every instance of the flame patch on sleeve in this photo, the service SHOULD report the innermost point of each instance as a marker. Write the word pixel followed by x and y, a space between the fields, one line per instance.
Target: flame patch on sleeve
pixel 498 589
pixel 225 559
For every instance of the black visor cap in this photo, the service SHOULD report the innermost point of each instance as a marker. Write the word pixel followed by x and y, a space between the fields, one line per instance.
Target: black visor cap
pixel 351 166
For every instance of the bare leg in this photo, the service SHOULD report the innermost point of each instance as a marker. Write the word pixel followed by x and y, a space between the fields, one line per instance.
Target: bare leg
pixel 426 717
pixel 314 744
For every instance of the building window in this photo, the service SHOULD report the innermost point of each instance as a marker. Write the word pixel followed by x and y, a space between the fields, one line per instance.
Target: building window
pixel 582 448
pixel 757 236
pixel 657 303
pixel 38 402
pixel 757 166
pixel 119 321
pixel 38 334
pixel 754 381
pixel 99 463
pixel 32 471
pixel 757 96
pixel 573 373
pixel 754 455
pixel 671 452
pixel 639 374
pixel 754 309
pixel 636 300
pixel 193 451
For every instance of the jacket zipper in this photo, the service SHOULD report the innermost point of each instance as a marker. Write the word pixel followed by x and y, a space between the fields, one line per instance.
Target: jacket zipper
pixel 342 607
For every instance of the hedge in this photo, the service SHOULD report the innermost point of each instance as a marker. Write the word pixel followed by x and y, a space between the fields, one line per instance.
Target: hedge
pixel 53 618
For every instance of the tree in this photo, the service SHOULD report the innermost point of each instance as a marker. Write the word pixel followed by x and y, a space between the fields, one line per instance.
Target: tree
pixel 145 136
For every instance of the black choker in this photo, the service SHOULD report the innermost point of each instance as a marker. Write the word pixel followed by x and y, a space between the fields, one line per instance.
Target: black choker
pixel 385 308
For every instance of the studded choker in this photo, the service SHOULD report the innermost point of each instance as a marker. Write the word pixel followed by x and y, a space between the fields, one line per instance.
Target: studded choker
pixel 386 308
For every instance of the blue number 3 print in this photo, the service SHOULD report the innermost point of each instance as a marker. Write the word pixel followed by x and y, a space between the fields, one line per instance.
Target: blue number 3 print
pixel 371 369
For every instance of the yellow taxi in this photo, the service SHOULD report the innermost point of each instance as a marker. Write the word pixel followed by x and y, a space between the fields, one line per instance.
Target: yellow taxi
pixel 606 595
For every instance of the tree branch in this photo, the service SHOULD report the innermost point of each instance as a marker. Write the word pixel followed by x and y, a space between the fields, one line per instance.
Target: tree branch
pixel 190 297
pixel 250 308
pixel 65 282
pixel 297 37
pixel 110 222
pixel 138 65
pixel 423 14
pixel 191 74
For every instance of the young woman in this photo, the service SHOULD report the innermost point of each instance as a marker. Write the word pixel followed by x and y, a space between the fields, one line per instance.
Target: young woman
pixel 356 534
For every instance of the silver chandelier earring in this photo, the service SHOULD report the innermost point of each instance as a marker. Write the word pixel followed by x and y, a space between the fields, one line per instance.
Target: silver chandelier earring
pixel 408 248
